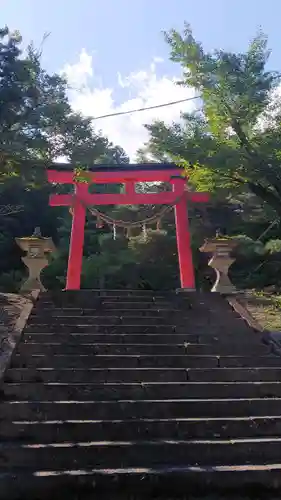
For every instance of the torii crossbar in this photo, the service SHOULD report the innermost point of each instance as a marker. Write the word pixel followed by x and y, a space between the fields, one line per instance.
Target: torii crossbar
pixel 128 175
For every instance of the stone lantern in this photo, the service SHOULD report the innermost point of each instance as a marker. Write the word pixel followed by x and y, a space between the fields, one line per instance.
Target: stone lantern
pixel 221 260
pixel 37 248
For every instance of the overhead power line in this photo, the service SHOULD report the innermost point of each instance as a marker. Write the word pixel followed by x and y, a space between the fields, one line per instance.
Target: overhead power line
pixel 172 103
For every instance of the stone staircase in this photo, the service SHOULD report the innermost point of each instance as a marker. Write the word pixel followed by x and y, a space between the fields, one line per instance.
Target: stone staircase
pixel 130 394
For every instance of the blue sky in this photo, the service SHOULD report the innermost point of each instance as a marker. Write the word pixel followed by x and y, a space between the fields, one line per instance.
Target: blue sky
pixel 108 48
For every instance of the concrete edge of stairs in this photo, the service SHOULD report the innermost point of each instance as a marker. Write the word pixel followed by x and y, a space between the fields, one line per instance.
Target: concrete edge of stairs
pixel 14 336
pixel 236 304
pixel 272 339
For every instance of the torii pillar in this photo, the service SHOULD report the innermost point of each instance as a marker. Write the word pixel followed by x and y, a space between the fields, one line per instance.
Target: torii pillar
pixel 186 268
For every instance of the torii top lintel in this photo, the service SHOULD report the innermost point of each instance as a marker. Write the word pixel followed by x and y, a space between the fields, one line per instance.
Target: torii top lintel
pixel 117 173
pixel 128 174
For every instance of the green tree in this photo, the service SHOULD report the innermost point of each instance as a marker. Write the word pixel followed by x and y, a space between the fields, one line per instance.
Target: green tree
pixel 38 125
pixel 233 140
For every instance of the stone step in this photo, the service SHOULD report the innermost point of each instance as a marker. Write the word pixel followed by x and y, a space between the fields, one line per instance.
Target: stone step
pixel 107 305
pixel 91 375
pixel 231 338
pixel 92 338
pixel 246 361
pixel 146 327
pixel 166 482
pixel 131 409
pixel 135 454
pixel 246 342
pixel 83 295
pixel 145 361
pixel 111 329
pixel 224 309
pixel 128 304
pixel 133 309
pixel 111 304
pixel 29 348
pixel 81 299
pixel 114 291
pixel 138 391
pixel 156 319
pixel 104 311
pixel 129 361
pixel 88 430
pixel 90 300
pixel 101 320
pixel 269 374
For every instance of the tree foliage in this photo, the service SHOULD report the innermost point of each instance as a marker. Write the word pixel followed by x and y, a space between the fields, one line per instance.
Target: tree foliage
pixel 233 139
pixel 37 126
pixel 36 118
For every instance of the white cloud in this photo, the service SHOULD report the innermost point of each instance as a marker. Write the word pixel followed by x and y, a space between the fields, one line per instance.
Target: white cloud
pixel 144 88
pixel 270 117
pixel 79 73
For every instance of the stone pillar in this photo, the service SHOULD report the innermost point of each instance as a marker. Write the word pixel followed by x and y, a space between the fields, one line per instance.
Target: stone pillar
pixel 221 260
pixel 36 248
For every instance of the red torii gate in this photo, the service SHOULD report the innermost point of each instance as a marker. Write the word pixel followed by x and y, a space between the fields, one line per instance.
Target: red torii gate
pixel 128 175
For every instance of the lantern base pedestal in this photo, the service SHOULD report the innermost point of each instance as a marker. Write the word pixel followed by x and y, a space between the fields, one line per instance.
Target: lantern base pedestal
pixel 221 265
pixel 35 266
pixel 221 248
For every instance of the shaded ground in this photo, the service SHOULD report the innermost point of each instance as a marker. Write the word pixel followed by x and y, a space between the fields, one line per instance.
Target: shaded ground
pixel 11 307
